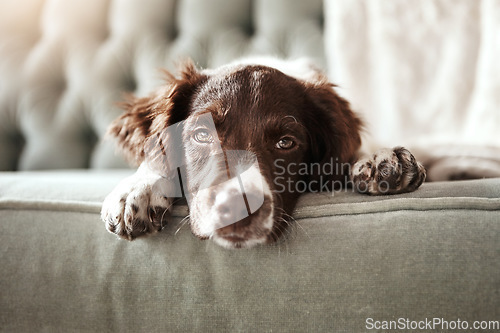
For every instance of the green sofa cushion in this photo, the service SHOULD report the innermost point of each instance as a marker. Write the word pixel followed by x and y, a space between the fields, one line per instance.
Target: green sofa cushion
pixel 429 254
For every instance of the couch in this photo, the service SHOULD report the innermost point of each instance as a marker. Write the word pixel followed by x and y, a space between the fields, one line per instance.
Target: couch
pixel 350 263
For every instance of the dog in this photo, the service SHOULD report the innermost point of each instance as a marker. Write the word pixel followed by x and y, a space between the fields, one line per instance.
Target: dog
pixel 236 141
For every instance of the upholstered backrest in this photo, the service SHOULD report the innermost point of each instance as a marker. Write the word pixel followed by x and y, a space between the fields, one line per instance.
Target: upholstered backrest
pixel 64 64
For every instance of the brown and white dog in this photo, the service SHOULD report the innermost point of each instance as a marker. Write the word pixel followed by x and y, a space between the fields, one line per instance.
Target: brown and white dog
pixel 237 141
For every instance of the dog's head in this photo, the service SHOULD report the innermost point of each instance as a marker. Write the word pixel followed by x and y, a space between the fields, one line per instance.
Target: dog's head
pixel 243 136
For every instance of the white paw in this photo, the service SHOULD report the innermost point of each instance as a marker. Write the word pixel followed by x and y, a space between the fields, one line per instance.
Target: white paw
pixel 137 206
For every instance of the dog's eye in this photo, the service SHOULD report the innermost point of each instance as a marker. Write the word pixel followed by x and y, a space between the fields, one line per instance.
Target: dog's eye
pixel 285 143
pixel 203 136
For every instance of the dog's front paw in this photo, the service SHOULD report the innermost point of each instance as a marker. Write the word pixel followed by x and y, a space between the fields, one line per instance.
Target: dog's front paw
pixel 388 171
pixel 136 207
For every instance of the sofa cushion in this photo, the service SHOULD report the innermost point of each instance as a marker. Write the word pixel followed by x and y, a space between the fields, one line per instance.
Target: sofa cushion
pixel 349 257
pixel 64 65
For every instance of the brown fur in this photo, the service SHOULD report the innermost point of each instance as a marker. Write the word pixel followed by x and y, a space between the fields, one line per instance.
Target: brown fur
pixel 254 108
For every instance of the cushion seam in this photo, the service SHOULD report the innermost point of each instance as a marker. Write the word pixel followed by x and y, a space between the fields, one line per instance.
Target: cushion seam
pixel 301 212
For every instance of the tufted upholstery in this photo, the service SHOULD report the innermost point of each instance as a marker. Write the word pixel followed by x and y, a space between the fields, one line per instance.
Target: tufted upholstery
pixel 63 64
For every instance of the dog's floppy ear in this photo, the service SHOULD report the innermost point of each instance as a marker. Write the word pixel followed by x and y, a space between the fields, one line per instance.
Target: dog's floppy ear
pixel 147 117
pixel 335 131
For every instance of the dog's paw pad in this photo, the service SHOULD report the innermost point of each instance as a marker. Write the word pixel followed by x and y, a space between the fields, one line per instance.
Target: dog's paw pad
pixel 388 171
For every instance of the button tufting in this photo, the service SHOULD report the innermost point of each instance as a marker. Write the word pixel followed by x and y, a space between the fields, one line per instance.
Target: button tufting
pixel 172 24
pixel 249 29
pixel 88 52
pixel 172 33
pixel 91 140
pixel 11 151
pixel 321 20
pixel 129 84
pixel 248 25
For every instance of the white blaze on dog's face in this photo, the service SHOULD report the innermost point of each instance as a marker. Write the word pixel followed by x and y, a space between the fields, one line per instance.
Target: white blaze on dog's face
pixel 235 213
pixel 228 197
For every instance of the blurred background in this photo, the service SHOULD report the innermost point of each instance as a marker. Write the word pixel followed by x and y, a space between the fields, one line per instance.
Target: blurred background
pixel 422 73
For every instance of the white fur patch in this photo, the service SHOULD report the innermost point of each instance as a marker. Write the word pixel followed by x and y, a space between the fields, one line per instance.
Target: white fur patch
pixel 207 219
pixel 127 207
pixel 302 68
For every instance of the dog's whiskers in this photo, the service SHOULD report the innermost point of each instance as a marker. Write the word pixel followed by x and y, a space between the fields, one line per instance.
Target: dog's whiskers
pixel 163 216
pixel 291 223
pixel 281 230
pixel 182 223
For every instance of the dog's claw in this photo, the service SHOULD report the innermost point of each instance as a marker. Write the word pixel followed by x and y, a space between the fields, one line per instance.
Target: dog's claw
pixel 134 208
